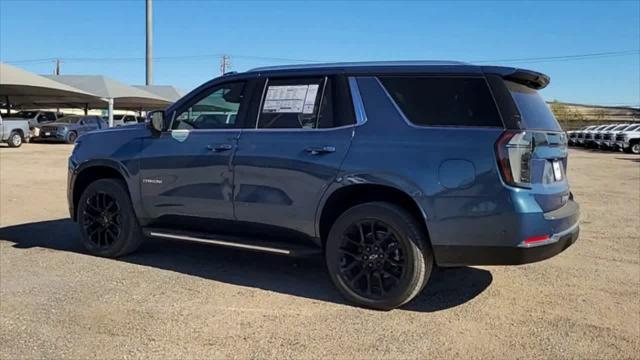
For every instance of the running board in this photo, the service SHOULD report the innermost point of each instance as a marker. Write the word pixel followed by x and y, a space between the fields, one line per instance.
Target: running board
pixel 278 248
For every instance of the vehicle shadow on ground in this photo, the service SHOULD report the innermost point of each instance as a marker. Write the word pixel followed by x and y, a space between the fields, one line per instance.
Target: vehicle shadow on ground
pixel 299 277
pixel 629 158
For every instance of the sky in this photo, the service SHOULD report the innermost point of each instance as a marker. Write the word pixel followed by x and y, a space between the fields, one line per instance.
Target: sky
pixel 108 38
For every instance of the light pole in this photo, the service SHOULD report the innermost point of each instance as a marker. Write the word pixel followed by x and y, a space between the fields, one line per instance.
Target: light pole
pixel 149 57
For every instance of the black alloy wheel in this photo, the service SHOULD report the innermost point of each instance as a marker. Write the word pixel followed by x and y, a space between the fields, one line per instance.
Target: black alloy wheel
pixel 378 255
pixel 372 259
pixel 101 220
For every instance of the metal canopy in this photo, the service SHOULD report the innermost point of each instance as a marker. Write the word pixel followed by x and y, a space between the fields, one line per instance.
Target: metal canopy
pixel 168 92
pixel 118 95
pixel 21 88
pixel 124 97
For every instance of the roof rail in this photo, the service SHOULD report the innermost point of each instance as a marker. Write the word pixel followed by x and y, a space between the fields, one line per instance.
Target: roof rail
pixel 361 64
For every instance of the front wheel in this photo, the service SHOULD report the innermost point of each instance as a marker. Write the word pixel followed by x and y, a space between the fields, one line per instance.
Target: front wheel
pixel 634 148
pixel 378 256
pixel 15 139
pixel 108 224
pixel 71 137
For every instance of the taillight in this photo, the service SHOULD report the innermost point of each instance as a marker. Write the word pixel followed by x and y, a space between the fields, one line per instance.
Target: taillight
pixel 514 150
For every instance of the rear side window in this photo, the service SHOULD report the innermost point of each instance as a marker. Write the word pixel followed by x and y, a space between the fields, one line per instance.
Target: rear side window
pixel 306 103
pixel 534 112
pixel 442 101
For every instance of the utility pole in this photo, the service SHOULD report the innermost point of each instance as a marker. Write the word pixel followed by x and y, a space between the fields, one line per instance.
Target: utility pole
pixel 225 64
pixel 149 58
pixel 57 70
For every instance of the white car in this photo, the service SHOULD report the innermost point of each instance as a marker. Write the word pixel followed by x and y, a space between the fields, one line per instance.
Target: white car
pixel 121 120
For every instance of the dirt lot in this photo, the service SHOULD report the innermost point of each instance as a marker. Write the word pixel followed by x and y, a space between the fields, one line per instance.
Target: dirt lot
pixel 180 300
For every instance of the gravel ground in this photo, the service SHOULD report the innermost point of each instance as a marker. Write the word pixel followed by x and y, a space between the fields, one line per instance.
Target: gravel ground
pixel 182 300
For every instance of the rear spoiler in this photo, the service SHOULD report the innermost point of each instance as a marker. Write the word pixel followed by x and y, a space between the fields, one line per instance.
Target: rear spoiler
pixel 532 79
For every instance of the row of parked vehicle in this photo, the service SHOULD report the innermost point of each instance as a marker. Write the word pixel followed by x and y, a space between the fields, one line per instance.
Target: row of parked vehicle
pixel 616 137
pixel 34 125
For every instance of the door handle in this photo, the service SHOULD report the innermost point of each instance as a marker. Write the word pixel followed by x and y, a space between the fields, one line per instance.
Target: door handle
pixel 220 147
pixel 318 150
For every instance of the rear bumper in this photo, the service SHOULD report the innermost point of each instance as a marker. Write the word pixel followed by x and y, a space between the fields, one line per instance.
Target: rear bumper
pixel 504 255
pixel 524 238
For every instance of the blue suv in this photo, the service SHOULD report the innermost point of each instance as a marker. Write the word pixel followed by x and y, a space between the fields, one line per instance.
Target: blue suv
pixel 387 169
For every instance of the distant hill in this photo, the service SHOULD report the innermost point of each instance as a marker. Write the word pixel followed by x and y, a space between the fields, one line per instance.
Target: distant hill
pixel 573 116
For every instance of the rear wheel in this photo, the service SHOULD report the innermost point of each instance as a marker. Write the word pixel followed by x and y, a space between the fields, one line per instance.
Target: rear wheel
pixel 377 255
pixel 15 139
pixel 108 224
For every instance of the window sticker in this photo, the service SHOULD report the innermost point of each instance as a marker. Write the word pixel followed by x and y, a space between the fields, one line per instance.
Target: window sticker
pixel 291 99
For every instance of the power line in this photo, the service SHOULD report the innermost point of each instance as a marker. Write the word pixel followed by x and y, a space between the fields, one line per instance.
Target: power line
pixel 208 57
pixel 183 57
pixel 564 57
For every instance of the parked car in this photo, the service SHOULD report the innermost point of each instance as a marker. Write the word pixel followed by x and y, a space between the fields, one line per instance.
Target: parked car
pixel 629 139
pixel 120 120
pixel 386 169
pixel 609 137
pixel 68 128
pixel 14 131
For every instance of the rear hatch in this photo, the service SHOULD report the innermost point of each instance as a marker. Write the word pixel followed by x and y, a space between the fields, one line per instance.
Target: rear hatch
pixel 532 153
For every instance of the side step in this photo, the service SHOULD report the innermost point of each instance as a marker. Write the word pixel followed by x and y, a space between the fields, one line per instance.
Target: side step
pixel 278 248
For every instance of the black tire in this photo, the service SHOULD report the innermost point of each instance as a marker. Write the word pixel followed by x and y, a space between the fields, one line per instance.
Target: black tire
pixel 108 225
pixel 402 270
pixel 15 139
pixel 71 137
pixel 634 148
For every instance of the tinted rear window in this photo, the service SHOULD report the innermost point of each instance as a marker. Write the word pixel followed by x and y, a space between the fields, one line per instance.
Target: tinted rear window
pixel 535 113
pixel 440 101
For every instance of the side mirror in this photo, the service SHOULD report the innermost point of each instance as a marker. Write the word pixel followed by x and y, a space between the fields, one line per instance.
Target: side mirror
pixel 157 120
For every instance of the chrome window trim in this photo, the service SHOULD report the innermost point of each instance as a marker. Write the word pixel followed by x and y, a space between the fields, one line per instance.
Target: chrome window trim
pixel 360 114
pixel 358 107
pixel 358 104
pixel 263 95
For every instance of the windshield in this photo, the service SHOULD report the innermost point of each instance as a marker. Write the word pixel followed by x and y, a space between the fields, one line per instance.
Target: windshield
pixel 70 119
pixel 633 127
pixel 535 113
pixel 25 114
pixel 620 127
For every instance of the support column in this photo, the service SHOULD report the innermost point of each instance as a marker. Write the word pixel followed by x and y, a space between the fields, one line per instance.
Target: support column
pixel 110 101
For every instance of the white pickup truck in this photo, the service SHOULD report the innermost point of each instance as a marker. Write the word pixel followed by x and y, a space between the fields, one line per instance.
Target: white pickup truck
pixel 628 140
pixel 14 132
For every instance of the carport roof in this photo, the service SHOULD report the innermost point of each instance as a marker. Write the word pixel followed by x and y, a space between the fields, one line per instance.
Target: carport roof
pixel 123 95
pixel 168 92
pixel 23 88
